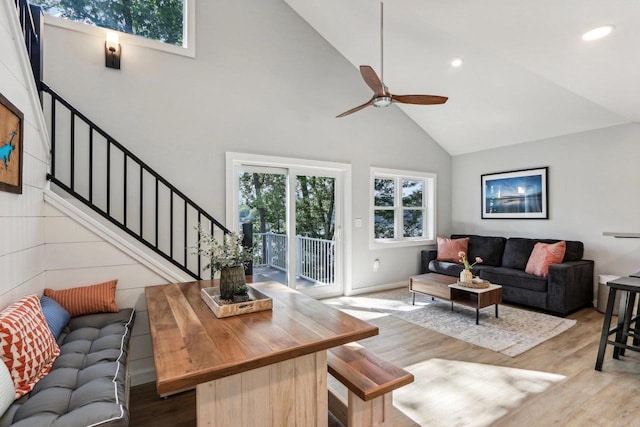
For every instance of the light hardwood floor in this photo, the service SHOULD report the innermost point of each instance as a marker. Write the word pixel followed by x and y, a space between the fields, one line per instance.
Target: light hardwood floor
pixel 585 398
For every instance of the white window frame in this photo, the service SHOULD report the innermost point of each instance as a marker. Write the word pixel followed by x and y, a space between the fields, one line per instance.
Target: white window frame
pixel 429 207
pixel 188 47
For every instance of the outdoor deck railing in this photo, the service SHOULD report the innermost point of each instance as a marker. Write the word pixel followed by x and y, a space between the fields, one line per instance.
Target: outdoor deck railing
pixel 315 258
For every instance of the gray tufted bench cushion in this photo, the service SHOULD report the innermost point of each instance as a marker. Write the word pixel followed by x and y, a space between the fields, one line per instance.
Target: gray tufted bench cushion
pixel 87 385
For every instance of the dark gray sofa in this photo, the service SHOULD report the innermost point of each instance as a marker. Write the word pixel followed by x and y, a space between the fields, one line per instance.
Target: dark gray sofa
pixel 88 383
pixel 568 287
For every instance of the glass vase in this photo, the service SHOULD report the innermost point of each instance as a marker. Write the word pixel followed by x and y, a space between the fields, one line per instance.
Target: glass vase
pixel 466 276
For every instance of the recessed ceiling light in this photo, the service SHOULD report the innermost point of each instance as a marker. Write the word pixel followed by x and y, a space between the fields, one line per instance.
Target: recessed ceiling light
pixel 457 61
pixel 597 33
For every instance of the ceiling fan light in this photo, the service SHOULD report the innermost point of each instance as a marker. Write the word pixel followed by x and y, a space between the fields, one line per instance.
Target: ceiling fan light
pixel 382 101
pixel 456 61
pixel 597 33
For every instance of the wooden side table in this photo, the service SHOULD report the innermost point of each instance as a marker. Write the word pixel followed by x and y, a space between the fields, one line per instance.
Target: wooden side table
pixel 476 298
pixel 629 287
pixel 445 287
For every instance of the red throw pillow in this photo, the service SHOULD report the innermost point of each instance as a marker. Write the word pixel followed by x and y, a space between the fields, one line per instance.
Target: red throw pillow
pixel 100 298
pixel 28 348
pixel 543 255
pixel 448 249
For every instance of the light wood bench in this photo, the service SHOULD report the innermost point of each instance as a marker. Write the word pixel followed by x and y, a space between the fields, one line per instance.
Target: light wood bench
pixel 370 381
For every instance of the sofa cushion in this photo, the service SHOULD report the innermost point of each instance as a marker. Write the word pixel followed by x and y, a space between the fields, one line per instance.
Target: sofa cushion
pixel 490 249
pixel 543 255
pixel 55 315
pixel 100 298
pixel 7 390
pixel 517 251
pixel 514 278
pixel 574 251
pixel 87 384
pixel 28 347
pixel 446 267
pixel 448 249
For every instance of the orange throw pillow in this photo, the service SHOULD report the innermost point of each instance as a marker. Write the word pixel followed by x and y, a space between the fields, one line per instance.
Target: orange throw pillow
pixel 543 255
pixel 448 248
pixel 100 298
pixel 28 347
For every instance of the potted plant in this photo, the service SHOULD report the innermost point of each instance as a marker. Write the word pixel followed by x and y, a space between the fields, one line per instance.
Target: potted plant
pixel 229 257
pixel 241 294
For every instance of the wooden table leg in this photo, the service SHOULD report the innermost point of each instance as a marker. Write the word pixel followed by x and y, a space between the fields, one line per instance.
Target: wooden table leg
pixel 286 394
pixel 496 310
pixel 628 315
pixel 606 324
pixel 622 316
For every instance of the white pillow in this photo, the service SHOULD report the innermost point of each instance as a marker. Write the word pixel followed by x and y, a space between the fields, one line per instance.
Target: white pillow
pixel 7 392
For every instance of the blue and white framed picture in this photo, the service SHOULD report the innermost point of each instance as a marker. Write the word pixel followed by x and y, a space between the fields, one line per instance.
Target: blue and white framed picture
pixel 520 194
pixel 11 129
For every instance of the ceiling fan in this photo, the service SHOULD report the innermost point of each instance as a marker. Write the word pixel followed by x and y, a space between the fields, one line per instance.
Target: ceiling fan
pixel 381 95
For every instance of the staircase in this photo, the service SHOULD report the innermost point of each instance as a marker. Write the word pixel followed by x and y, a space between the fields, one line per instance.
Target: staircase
pixel 98 171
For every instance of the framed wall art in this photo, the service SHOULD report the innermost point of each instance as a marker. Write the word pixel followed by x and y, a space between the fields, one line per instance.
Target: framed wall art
pixel 520 194
pixel 11 130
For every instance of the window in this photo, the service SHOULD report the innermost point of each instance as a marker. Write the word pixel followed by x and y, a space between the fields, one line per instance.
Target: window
pixel 164 21
pixel 402 207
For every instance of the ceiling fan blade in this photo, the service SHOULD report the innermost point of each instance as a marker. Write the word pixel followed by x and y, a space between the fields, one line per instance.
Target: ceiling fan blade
pixel 358 108
pixel 419 99
pixel 372 80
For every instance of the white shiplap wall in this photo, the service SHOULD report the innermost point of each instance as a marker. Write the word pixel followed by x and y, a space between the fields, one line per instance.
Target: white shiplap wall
pixel 81 250
pixel 22 259
pixel 40 246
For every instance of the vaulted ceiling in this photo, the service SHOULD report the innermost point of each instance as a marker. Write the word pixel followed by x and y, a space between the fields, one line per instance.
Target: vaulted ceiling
pixel 527 74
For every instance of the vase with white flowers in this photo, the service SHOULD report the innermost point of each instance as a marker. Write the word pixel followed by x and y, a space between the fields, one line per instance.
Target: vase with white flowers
pixel 465 275
pixel 229 257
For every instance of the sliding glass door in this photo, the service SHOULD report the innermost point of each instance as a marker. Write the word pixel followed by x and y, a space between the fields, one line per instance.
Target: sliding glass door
pixel 296 215
pixel 262 202
pixel 315 242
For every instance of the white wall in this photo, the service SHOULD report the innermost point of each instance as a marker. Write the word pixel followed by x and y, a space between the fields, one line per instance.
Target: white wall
pixel 262 82
pixel 594 179
pixel 21 216
pixel 78 254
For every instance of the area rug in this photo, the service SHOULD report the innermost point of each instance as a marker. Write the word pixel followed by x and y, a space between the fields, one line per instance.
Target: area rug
pixel 463 394
pixel 514 332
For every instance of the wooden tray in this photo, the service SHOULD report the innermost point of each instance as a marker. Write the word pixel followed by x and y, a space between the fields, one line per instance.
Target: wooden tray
pixel 258 302
pixel 484 284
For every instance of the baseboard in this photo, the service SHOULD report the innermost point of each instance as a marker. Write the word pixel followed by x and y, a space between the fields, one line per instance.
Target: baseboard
pixel 143 376
pixel 378 288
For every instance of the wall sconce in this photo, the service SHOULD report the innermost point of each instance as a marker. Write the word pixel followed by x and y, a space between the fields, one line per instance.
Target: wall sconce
pixel 112 51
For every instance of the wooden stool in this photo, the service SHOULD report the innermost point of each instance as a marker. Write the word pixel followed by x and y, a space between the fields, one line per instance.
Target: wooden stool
pixel 627 326
pixel 370 380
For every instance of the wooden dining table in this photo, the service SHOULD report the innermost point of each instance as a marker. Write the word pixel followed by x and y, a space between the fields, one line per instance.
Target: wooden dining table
pixel 267 368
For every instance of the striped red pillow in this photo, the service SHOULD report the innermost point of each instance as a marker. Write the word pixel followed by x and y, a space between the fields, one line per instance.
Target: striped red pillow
pixel 100 298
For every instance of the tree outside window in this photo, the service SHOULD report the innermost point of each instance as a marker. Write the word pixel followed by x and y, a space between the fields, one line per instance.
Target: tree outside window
pixel 403 206
pixel 161 20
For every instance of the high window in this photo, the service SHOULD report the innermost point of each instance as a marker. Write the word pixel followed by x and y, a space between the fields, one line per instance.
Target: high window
pixel 402 207
pixel 160 20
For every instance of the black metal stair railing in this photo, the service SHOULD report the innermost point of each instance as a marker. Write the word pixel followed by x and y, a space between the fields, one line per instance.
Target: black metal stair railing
pixel 31 21
pixel 92 166
pixel 101 173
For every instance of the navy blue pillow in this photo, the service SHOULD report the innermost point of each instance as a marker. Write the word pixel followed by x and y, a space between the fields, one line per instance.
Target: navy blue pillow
pixel 55 315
